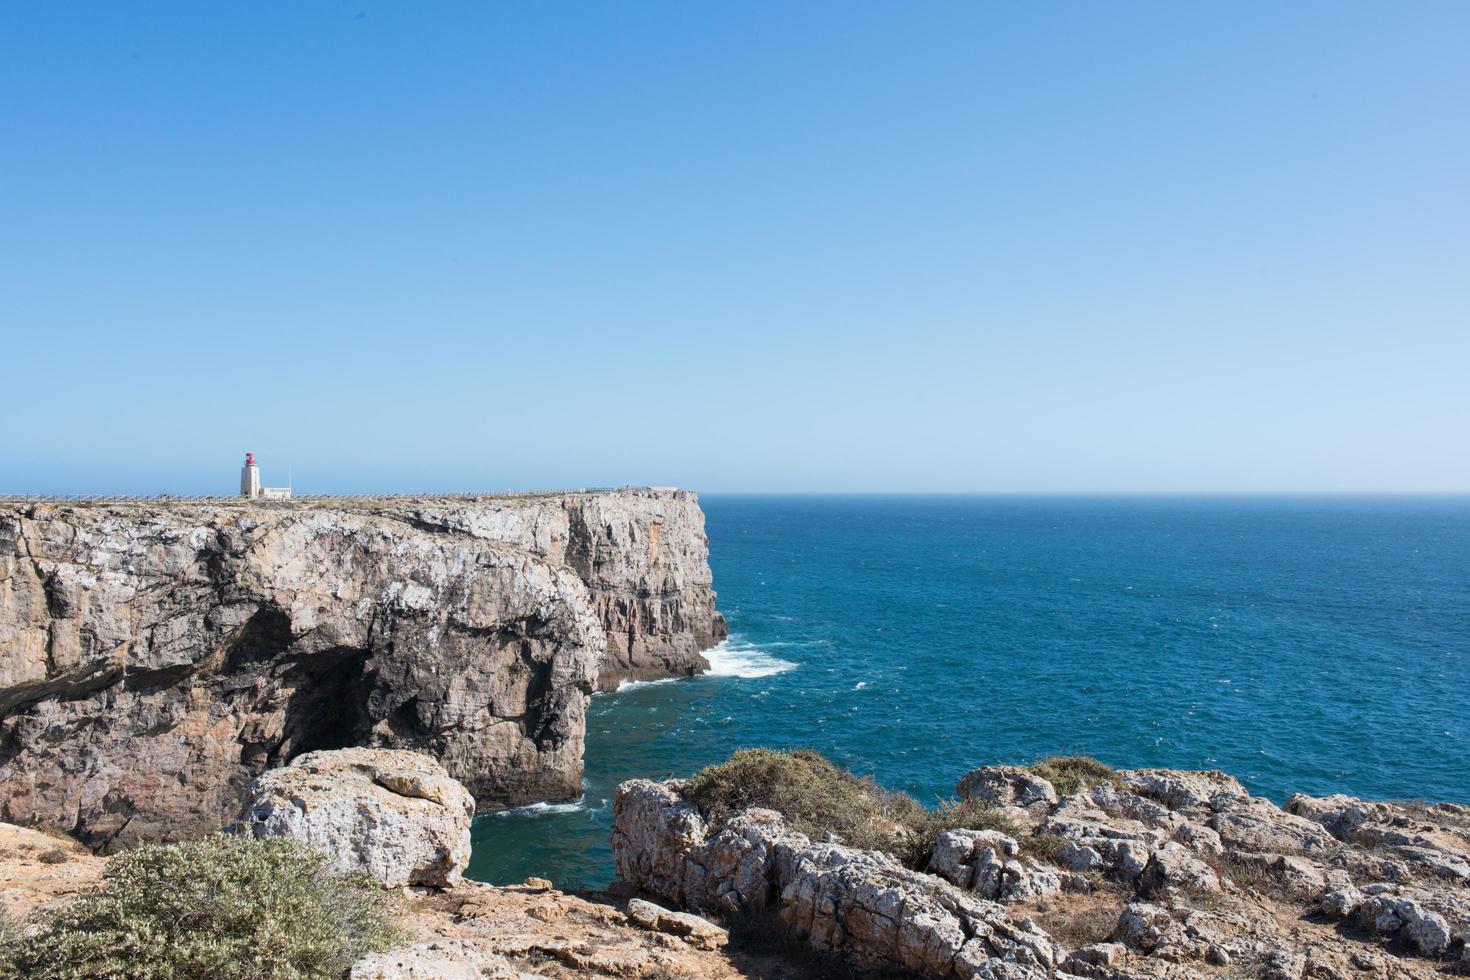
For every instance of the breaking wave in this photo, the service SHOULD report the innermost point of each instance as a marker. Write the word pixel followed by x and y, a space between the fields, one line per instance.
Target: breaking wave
pixel 630 685
pixel 736 658
pixel 538 808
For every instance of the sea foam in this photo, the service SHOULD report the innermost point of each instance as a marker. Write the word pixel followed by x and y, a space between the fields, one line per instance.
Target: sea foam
pixel 737 658
pixel 538 808
pixel 630 685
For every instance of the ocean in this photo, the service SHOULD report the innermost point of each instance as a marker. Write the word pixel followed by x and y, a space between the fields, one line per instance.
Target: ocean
pixel 1312 644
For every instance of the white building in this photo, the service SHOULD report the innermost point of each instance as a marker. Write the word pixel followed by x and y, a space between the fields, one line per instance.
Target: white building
pixel 250 487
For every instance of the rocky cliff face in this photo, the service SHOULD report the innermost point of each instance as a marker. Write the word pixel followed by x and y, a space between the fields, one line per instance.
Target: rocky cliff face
pixel 641 553
pixel 154 658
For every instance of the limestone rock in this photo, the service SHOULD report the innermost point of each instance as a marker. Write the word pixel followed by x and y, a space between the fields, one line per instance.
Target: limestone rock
pixel 1259 826
pixel 437 960
pixel 156 657
pixel 1097 954
pixel 863 904
pixel 1006 786
pixel 973 859
pixel 691 928
pixel 1185 873
pixel 1341 902
pixel 1171 867
pixel 395 815
pixel 1145 927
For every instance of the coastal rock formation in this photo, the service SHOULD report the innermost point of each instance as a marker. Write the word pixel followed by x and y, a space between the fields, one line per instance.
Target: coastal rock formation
pixel 861 904
pixel 642 554
pixel 157 657
pixel 1151 874
pixel 394 815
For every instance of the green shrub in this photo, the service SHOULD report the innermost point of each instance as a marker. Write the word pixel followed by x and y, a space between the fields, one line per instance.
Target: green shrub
pixel 1069 773
pixel 818 798
pixel 9 931
pixel 821 799
pixel 224 908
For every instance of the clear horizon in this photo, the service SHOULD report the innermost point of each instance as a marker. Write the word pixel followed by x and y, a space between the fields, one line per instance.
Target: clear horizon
pixel 819 248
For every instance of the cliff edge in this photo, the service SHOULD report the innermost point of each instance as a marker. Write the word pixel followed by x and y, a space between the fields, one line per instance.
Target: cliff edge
pixel 155 657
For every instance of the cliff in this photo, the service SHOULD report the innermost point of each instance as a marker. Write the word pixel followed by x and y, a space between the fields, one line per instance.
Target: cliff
pixel 155 657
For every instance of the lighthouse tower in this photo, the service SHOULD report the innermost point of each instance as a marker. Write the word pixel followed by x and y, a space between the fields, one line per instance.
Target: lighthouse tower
pixel 250 478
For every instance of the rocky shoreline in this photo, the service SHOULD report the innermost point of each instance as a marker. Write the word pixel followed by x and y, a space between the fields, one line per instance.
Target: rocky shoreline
pixel 1158 873
pixel 1153 874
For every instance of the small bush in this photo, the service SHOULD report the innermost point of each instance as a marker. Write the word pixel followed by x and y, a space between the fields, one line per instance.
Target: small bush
pixel 823 800
pixel 1044 846
pixel 1069 773
pixel 224 908
pixel 818 798
pixel 54 856
pixel 9 931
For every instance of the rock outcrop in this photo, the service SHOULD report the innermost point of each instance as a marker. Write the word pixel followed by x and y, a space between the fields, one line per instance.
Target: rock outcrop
pixel 1155 874
pixel 155 657
pixel 642 554
pixel 862 905
pixel 394 815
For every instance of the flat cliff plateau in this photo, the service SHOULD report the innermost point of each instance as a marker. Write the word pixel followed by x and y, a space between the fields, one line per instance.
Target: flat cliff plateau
pixel 156 656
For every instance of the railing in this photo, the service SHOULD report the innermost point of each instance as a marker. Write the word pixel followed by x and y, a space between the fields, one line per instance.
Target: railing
pixel 310 498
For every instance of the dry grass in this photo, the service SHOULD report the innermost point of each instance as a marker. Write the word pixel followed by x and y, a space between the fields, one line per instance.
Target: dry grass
pixel 1258 875
pixel 817 797
pixel 1069 773
pixel 1076 920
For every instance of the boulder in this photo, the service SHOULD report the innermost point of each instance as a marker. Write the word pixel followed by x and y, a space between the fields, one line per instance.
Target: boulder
pixel 1193 794
pixel 973 859
pixel 1097 954
pixel 691 928
pixel 1173 867
pixel 394 814
pixel 1425 930
pixel 1259 826
pixel 1006 786
pixel 1341 815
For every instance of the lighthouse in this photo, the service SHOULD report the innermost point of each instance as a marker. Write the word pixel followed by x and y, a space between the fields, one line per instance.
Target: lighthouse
pixel 250 478
pixel 250 487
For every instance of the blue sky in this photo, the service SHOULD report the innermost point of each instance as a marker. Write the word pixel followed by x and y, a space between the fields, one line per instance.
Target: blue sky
pixel 795 246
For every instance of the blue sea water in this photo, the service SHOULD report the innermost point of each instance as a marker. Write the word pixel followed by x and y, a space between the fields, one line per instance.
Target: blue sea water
pixel 1300 643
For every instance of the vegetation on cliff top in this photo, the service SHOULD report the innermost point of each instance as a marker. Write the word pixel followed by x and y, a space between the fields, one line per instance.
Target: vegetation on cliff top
pixel 223 908
pixel 1069 773
pixel 825 801
pixel 817 797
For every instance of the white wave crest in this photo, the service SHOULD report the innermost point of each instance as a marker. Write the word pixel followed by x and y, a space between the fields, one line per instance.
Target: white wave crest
pixel 630 685
pixel 543 807
pixel 736 658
